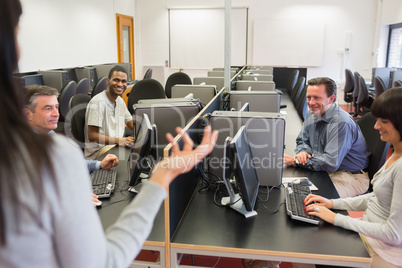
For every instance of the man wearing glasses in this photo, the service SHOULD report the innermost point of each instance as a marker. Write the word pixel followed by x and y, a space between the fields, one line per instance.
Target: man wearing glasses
pixel 106 117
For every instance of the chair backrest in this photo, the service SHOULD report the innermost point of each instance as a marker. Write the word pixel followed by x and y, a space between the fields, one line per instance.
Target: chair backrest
pixel 377 147
pixel 292 81
pixel 301 104
pixel 363 96
pixel 379 86
pixel 79 103
pixel 349 81
pixel 148 74
pixel 66 94
pixel 145 89
pixel 78 99
pixel 356 84
pixel 295 94
pixel 100 86
pixel 174 79
pixel 398 83
pixel 83 86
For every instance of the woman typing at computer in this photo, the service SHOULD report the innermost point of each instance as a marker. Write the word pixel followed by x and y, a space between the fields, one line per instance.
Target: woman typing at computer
pixel 380 228
pixel 46 214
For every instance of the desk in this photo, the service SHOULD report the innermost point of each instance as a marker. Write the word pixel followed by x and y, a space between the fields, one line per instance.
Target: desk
pixel 112 207
pixel 207 229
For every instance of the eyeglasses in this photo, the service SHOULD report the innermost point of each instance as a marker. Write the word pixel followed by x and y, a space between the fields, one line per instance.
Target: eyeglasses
pixel 117 80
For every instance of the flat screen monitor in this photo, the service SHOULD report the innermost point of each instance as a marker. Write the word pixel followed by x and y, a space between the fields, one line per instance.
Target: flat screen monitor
pixel 237 154
pixel 143 155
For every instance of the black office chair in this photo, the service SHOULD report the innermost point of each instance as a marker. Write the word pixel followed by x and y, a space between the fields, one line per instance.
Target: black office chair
pixel 301 105
pixel 78 99
pixel 83 86
pixel 364 100
pixel 377 147
pixel 174 79
pixel 66 93
pixel 295 94
pixel 379 86
pixel 292 81
pixel 145 89
pixel 398 83
pixel 100 86
pixel 348 88
pixel 148 74
pixel 76 118
pixel 356 83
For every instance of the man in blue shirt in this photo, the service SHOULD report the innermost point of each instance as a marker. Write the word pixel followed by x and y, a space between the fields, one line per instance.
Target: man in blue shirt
pixel 330 140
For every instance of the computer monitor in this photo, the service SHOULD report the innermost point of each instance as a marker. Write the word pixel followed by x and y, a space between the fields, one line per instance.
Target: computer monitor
pixel 238 162
pixel 144 153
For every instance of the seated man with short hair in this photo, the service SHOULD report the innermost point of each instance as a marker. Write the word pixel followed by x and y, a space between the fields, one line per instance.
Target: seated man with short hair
pixel 330 140
pixel 42 113
pixel 106 116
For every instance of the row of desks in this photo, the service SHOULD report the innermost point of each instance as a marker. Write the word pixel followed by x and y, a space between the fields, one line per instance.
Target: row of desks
pixel 207 229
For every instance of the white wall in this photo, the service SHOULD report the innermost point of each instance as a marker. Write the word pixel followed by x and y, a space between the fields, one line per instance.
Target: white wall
pixel 62 34
pixel 340 17
pixel 57 33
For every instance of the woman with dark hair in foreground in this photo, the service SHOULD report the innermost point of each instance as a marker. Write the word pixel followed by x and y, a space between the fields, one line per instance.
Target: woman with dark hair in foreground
pixel 46 214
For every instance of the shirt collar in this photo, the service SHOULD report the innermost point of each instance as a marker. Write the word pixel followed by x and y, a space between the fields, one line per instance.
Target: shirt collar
pixel 327 115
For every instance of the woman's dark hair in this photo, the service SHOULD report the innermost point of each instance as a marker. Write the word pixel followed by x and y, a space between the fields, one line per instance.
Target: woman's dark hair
pixel 23 153
pixel 388 106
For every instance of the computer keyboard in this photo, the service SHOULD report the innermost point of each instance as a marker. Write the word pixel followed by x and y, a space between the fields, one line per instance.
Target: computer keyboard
pixel 295 194
pixel 103 182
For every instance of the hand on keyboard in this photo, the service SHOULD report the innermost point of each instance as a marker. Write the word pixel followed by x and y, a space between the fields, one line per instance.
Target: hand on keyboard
pixel 320 207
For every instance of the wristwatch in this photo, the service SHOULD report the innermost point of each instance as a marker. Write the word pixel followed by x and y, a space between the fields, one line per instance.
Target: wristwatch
pixel 297 161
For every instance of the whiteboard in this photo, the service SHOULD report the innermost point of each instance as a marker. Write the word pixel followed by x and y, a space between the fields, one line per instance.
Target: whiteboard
pixel 197 37
pixel 280 42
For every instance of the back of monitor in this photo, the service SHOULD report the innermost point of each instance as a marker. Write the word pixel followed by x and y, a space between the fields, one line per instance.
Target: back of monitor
pixel 255 85
pixel 257 77
pixel 260 101
pixel 166 117
pixel 266 133
pixel 216 81
pixel 204 93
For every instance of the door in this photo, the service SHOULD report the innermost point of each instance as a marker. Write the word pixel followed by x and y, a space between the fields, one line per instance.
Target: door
pixel 125 41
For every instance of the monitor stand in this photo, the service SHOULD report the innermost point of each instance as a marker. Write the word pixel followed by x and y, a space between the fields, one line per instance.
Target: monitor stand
pixel 136 188
pixel 238 205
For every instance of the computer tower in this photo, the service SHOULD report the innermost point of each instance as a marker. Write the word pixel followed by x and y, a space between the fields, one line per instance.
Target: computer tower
pixel 260 101
pixel 216 81
pixel 102 70
pixel 383 73
pixel 266 133
pixel 166 117
pixel 55 78
pixel 32 79
pixel 127 66
pixel 257 77
pixel 87 72
pixel 394 76
pixel 204 93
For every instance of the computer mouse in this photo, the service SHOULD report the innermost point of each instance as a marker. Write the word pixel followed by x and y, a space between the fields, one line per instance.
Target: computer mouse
pixel 305 181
